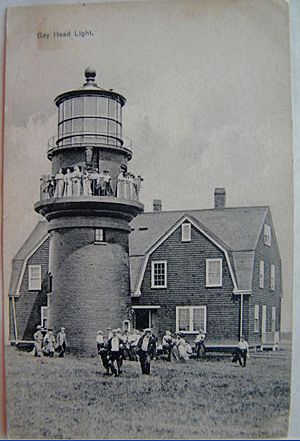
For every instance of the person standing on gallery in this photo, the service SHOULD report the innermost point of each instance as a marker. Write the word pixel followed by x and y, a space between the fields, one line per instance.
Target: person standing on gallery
pixel 59 188
pixel 94 176
pixel 86 183
pixel 107 189
pixel 146 346
pixel 76 181
pixel 121 183
pixel 68 183
pixel 137 186
pixel 62 343
pixel 38 341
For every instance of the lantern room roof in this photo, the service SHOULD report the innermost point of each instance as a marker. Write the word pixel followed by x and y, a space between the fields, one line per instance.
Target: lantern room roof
pixel 90 87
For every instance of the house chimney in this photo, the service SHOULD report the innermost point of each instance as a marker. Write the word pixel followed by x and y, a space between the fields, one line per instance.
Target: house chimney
pixel 220 197
pixel 157 206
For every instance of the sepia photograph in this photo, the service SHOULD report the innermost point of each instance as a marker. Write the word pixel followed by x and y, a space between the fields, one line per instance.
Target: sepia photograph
pixel 148 220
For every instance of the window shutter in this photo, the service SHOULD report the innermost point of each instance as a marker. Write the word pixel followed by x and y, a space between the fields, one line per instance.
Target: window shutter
pixel 273 318
pixel 256 318
pixel 273 277
pixel 261 273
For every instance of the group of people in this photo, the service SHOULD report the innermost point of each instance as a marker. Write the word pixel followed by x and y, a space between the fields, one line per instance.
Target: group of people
pixel 117 346
pixel 178 348
pixel 142 346
pixel 134 345
pixel 89 182
pixel 45 343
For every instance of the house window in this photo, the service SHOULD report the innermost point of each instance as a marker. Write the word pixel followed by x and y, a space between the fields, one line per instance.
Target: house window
pixel 99 235
pixel 261 273
pixel 35 277
pixel 213 272
pixel 256 318
pixel 190 319
pixel 159 274
pixel 273 322
pixel 273 277
pixel 267 235
pixel 185 232
pixel 44 316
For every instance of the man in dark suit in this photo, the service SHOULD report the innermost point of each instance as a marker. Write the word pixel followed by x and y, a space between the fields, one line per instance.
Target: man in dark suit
pixel 146 345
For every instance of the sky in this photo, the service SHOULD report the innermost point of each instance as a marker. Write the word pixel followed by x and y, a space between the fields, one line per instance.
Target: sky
pixel 208 104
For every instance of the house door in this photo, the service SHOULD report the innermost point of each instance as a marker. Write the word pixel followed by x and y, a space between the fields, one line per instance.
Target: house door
pixel 263 323
pixel 142 319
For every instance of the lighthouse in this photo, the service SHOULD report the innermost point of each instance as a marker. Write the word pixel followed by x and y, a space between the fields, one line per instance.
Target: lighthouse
pixel 89 200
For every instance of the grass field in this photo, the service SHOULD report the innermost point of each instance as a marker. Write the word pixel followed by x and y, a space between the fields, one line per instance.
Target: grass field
pixel 70 398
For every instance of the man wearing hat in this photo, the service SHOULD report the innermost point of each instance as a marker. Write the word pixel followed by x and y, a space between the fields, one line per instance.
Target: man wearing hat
pixel 146 347
pixel 109 333
pixel 94 177
pixel 114 350
pixel 102 351
pixel 62 343
pixel 49 344
pixel 107 189
pixel 38 341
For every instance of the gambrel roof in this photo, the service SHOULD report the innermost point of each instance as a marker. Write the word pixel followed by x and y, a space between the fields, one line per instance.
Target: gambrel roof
pixel 36 238
pixel 238 228
pixel 234 230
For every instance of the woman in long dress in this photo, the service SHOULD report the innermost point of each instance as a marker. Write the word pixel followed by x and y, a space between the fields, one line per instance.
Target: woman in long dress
pixel 127 186
pixel 68 183
pixel 76 181
pixel 182 348
pixel 121 185
pixel 86 183
pixel 59 188
pixel 137 186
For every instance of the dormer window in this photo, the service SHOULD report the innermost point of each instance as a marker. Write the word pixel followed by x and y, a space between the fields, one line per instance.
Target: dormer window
pixel 267 235
pixel 185 232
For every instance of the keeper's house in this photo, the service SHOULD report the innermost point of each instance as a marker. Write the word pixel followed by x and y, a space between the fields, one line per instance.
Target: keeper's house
pixel 219 269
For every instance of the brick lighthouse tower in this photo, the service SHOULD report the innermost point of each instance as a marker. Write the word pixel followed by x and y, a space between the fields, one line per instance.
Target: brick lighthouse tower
pixel 88 201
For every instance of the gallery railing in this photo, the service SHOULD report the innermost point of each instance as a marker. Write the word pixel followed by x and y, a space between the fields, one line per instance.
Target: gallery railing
pixel 67 185
pixel 89 139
